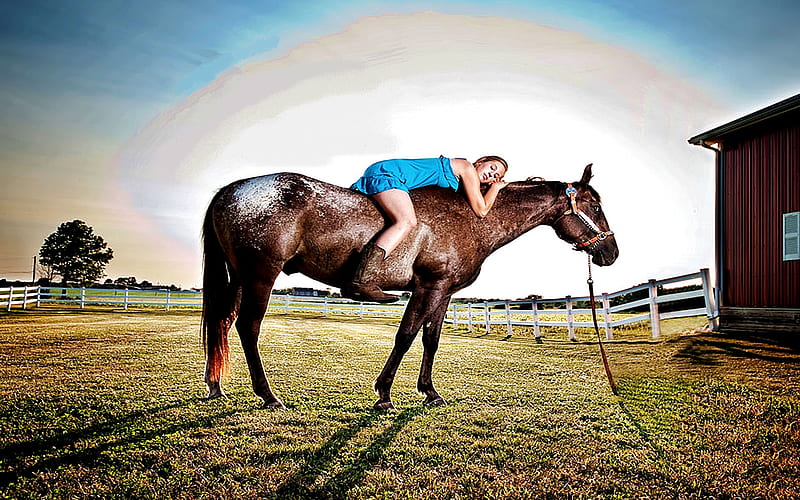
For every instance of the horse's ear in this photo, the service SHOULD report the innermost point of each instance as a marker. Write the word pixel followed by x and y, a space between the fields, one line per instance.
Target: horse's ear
pixel 587 174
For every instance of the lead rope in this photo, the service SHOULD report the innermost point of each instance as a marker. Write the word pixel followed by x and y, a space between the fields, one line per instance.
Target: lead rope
pixel 590 282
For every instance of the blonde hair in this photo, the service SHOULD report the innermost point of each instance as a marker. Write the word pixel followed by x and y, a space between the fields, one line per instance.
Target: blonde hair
pixel 484 159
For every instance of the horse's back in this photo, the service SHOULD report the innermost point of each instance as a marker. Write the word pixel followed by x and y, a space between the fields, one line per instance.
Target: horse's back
pixel 270 195
pixel 289 215
pixel 306 225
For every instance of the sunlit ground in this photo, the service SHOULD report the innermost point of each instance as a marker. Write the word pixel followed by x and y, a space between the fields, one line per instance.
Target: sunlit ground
pixel 112 405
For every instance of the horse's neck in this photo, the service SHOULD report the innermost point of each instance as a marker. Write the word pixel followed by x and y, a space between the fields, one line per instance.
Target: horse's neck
pixel 519 209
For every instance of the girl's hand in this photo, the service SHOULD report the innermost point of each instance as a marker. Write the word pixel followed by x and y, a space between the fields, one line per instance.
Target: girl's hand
pixel 480 201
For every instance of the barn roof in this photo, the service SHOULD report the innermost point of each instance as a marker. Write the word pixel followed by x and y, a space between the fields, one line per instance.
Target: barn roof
pixel 768 113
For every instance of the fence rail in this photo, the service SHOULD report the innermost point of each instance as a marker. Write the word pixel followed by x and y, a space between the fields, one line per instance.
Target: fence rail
pixel 529 312
pixel 19 296
pixel 536 313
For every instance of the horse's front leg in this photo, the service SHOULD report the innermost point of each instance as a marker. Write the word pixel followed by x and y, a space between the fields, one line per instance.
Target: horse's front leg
pixel 419 308
pixel 431 332
pixel 255 299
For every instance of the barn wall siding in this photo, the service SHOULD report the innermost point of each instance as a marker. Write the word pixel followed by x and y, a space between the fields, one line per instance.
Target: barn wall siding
pixel 760 184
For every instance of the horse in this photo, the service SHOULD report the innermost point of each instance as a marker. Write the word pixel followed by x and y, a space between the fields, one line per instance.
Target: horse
pixel 258 227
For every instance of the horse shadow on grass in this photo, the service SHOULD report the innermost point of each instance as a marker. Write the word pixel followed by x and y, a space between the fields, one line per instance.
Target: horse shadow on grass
pixel 301 483
pixel 107 435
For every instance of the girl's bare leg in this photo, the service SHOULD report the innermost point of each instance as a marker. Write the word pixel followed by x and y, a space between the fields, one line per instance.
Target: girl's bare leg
pixel 397 205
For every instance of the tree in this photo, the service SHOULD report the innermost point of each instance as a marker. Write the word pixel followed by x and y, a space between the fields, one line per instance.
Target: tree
pixel 76 253
pixel 126 282
pixel 47 273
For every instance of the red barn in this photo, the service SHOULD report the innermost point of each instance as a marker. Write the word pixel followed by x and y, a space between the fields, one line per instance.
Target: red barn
pixel 758 218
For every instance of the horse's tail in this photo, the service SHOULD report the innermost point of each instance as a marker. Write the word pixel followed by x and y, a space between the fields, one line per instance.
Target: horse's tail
pixel 221 298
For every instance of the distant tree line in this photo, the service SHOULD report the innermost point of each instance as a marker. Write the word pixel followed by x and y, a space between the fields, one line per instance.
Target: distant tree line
pixel 73 255
pixel 131 283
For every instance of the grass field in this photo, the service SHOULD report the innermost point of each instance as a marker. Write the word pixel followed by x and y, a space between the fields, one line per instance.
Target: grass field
pixel 102 404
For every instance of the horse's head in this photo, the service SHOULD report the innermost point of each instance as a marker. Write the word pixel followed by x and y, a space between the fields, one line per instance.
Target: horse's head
pixel 583 223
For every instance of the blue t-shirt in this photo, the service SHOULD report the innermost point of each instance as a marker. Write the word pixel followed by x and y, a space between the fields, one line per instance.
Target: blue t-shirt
pixel 406 175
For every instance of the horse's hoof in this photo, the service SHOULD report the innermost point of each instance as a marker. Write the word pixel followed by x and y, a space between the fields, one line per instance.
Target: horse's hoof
pixel 216 394
pixel 274 404
pixel 384 406
pixel 433 402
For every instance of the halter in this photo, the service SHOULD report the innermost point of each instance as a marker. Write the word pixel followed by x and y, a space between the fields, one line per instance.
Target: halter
pixel 599 235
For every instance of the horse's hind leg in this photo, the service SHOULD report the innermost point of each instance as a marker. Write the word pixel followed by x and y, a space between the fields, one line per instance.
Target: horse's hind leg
pixel 255 299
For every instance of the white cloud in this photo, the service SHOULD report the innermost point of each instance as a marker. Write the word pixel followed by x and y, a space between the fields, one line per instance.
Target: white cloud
pixel 550 101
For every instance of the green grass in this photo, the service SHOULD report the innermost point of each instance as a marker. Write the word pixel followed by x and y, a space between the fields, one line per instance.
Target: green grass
pixel 101 404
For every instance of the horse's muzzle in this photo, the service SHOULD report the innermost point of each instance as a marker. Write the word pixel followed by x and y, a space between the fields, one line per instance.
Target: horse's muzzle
pixel 605 254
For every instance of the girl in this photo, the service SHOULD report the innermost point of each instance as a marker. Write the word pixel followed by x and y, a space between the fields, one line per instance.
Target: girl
pixel 388 183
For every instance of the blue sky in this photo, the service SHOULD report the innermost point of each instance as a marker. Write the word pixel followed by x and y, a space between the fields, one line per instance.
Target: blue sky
pixel 82 80
pixel 154 52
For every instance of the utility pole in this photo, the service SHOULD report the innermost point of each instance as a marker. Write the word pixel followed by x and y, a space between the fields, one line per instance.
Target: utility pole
pixel 33 273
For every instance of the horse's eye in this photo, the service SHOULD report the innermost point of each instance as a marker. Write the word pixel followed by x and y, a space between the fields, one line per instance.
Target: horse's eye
pixel 596 209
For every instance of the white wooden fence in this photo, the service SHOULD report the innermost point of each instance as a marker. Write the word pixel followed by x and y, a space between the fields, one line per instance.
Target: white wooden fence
pixel 20 296
pixel 563 312
pixel 538 313
pixel 82 297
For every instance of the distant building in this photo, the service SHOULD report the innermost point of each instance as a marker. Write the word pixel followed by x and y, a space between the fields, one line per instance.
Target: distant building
pixel 309 292
pixel 758 218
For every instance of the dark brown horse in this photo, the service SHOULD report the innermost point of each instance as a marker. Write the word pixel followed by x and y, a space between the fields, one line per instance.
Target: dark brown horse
pixel 255 228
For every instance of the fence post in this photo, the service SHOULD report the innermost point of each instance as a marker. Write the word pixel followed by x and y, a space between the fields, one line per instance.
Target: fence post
pixel 166 304
pixel 83 297
pixel 486 315
pixel 10 297
pixel 711 306
pixel 38 296
pixel 469 317
pixel 25 297
pixel 455 317
pixel 324 306
pixel 570 326
pixel 537 333
pixel 655 318
pixel 125 301
pixel 286 304
pixel 607 316
pixel 361 311
pixel 509 331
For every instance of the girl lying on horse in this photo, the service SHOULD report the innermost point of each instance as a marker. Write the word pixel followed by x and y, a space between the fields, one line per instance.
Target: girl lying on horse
pixel 388 183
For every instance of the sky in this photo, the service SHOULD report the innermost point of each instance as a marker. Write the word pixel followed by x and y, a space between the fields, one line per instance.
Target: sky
pixel 130 115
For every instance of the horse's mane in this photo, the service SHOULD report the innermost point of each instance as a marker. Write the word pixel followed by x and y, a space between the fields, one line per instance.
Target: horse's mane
pixel 542 180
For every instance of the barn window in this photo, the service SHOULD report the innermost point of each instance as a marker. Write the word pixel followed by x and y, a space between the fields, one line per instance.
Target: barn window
pixel 791 236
